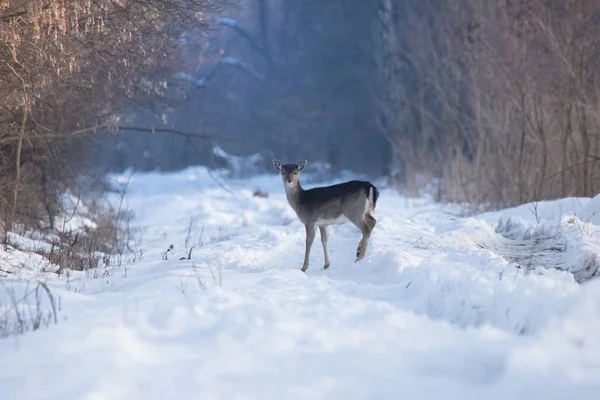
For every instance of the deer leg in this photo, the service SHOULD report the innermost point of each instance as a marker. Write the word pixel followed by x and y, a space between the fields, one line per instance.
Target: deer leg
pixel 369 224
pixel 323 230
pixel 371 221
pixel 310 237
pixel 365 229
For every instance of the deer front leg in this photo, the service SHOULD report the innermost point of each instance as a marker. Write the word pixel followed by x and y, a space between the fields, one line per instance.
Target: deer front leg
pixel 323 230
pixel 310 237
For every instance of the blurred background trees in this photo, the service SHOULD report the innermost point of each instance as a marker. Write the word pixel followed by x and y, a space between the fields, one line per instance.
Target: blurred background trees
pixel 309 91
pixel 69 70
pixel 501 98
pixel 495 102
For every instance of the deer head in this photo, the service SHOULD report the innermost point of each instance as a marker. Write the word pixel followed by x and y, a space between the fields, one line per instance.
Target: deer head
pixel 289 172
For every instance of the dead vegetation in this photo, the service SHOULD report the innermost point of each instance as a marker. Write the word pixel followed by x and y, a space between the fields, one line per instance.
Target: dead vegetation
pixel 69 71
pixel 499 99
pixel 26 310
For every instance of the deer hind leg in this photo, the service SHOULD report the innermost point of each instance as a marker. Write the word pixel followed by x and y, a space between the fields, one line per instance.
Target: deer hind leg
pixel 365 228
pixel 310 237
pixel 323 230
pixel 371 221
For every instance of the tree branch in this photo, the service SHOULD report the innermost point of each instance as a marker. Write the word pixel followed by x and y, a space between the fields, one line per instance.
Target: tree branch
pixel 244 66
pixel 234 62
pixel 164 130
pixel 259 47
pixel 95 130
pixel 16 14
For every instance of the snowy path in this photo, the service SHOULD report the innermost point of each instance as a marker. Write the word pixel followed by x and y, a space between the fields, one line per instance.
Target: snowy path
pixel 428 313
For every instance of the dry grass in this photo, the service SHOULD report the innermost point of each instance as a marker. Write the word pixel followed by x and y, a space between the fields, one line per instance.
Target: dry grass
pixel 29 310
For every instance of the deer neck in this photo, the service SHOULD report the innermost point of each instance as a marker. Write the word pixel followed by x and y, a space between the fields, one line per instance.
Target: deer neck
pixel 293 194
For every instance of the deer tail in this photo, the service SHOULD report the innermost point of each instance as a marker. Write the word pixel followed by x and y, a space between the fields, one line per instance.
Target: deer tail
pixel 372 196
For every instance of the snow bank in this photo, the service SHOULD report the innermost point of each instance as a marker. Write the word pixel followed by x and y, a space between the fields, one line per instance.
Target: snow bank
pixel 558 234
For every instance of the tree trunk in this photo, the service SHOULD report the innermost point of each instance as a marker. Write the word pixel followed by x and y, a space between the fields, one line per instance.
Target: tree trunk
pixel 17 180
pixel 388 63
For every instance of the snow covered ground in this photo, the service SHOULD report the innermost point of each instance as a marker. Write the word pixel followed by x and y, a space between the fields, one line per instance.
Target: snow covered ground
pixel 442 306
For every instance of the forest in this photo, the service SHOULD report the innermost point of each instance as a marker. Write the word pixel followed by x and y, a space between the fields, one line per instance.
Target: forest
pixel 494 102
pixel 157 217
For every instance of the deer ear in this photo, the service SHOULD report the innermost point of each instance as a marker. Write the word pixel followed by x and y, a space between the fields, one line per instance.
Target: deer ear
pixel 277 165
pixel 301 165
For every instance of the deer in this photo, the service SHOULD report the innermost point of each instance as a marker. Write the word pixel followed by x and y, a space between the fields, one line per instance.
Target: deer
pixel 324 206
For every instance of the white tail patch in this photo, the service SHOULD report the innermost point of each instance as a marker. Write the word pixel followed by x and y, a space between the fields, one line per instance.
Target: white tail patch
pixel 369 201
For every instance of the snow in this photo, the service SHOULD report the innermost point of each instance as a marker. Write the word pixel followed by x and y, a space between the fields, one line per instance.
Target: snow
pixel 559 234
pixel 243 65
pixel 189 78
pixel 240 167
pixel 227 21
pixel 442 306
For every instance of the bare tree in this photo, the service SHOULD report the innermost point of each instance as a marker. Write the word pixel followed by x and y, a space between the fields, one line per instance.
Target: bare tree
pixel 66 67
pixel 502 96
